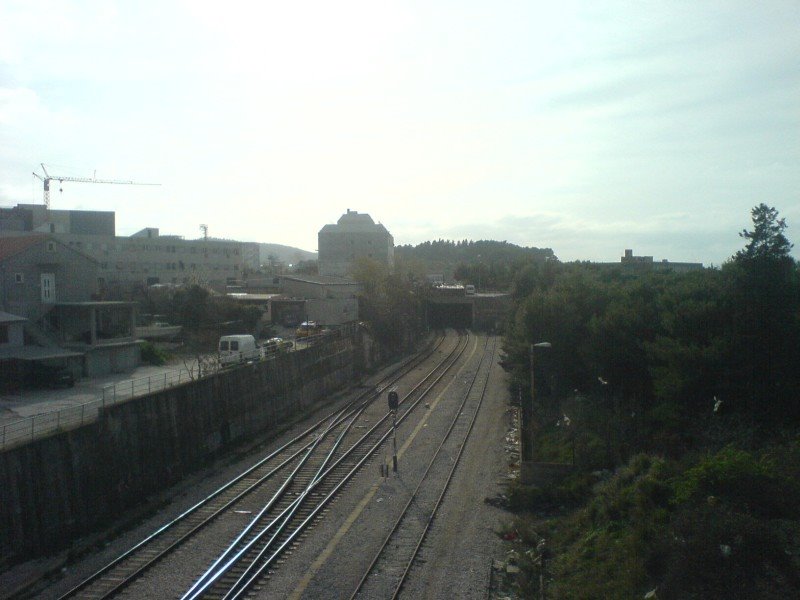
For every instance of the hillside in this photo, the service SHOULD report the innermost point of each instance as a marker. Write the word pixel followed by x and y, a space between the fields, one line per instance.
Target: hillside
pixel 285 254
pixel 493 262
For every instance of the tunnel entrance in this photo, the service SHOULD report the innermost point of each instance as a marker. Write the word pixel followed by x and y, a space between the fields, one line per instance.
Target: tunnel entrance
pixel 455 315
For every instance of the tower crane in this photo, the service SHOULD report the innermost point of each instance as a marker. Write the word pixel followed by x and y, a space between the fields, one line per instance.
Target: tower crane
pixel 48 178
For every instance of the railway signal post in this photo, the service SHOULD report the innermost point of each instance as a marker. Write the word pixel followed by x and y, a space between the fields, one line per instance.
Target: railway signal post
pixel 394 402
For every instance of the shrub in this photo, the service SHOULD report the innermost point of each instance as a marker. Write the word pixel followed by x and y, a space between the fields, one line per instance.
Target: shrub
pixel 720 553
pixel 743 482
pixel 153 355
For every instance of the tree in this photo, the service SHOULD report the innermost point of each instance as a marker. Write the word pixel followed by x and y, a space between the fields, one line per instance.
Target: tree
pixel 307 267
pixel 764 309
pixel 767 239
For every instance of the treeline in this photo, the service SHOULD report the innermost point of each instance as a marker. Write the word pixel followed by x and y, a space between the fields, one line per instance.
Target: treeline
pixel 684 389
pixel 203 315
pixel 730 334
pixel 485 263
pixel 392 301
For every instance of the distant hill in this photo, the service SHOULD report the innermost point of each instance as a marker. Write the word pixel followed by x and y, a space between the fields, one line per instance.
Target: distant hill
pixel 285 254
pixel 446 256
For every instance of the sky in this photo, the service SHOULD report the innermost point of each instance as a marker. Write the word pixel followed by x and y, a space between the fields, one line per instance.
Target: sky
pixel 582 126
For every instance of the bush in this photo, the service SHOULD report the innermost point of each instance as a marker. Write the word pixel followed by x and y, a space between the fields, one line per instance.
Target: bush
pixel 720 553
pixel 571 492
pixel 153 355
pixel 741 481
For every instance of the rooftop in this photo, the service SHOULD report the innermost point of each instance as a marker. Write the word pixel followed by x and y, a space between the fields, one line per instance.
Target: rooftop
pixel 321 279
pixel 9 318
pixel 352 220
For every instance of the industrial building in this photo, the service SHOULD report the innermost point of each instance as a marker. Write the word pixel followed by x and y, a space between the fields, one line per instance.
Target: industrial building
pixel 142 259
pixel 631 261
pixel 49 291
pixel 355 235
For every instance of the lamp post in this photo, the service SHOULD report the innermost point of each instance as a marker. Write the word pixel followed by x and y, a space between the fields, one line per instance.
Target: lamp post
pixel 526 437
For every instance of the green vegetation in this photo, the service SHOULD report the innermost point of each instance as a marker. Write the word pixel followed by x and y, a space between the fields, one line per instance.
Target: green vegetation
pixel 677 399
pixel 392 302
pixel 484 263
pixel 203 314
pixel 153 355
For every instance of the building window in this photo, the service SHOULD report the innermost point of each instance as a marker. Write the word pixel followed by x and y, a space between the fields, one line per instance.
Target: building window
pixel 51 246
pixel 4 333
pixel 19 278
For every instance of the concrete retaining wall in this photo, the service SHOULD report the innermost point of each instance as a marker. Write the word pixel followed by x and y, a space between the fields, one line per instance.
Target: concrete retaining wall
pixel 55 489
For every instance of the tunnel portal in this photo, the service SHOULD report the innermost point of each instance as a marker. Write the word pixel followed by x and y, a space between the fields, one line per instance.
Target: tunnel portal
pixel 455 315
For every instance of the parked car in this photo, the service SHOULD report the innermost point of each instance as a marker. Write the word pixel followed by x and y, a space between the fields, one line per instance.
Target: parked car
pixel 308 329
pixel 277 344
pixel 43 375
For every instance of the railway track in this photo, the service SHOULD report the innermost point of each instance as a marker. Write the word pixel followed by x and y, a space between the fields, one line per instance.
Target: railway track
pixel 393 562
pixel 248 559
pixel 298 460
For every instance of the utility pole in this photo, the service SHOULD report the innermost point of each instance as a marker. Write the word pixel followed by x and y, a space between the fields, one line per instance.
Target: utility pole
pixel 526 435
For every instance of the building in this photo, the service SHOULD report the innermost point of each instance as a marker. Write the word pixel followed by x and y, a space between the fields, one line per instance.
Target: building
pixel 354 236
pixel 37 271
pixel 52 288
pixel 11 331
pixel 36 217
pixel 631 261
pixel 144 258
pixel 328 300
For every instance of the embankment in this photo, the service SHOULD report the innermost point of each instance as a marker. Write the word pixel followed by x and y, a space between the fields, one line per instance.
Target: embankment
pixel 74 482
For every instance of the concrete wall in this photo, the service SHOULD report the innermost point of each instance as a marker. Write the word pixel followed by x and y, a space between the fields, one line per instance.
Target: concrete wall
pixel 15 334
pixel 334 311
pixel 55 489
pixel 112 358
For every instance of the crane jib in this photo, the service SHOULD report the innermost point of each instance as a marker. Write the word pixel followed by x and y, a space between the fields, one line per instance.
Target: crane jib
pixel 48 178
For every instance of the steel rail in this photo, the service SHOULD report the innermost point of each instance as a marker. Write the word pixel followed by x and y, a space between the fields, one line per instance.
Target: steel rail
pixel 279 494
pixel 241 585
pixel 123 580
pixel 381 553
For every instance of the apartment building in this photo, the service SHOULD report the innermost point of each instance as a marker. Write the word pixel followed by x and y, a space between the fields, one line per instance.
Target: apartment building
pixel 355 235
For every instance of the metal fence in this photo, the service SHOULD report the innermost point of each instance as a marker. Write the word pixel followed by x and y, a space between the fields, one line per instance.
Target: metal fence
pixel 30 428
pixel 36 426
pixel 124 390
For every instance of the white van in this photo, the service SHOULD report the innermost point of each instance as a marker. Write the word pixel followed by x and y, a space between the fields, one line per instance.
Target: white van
pixel 238 349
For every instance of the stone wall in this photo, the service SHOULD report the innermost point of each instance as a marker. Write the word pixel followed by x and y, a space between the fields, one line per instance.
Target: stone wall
pixel 55 489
